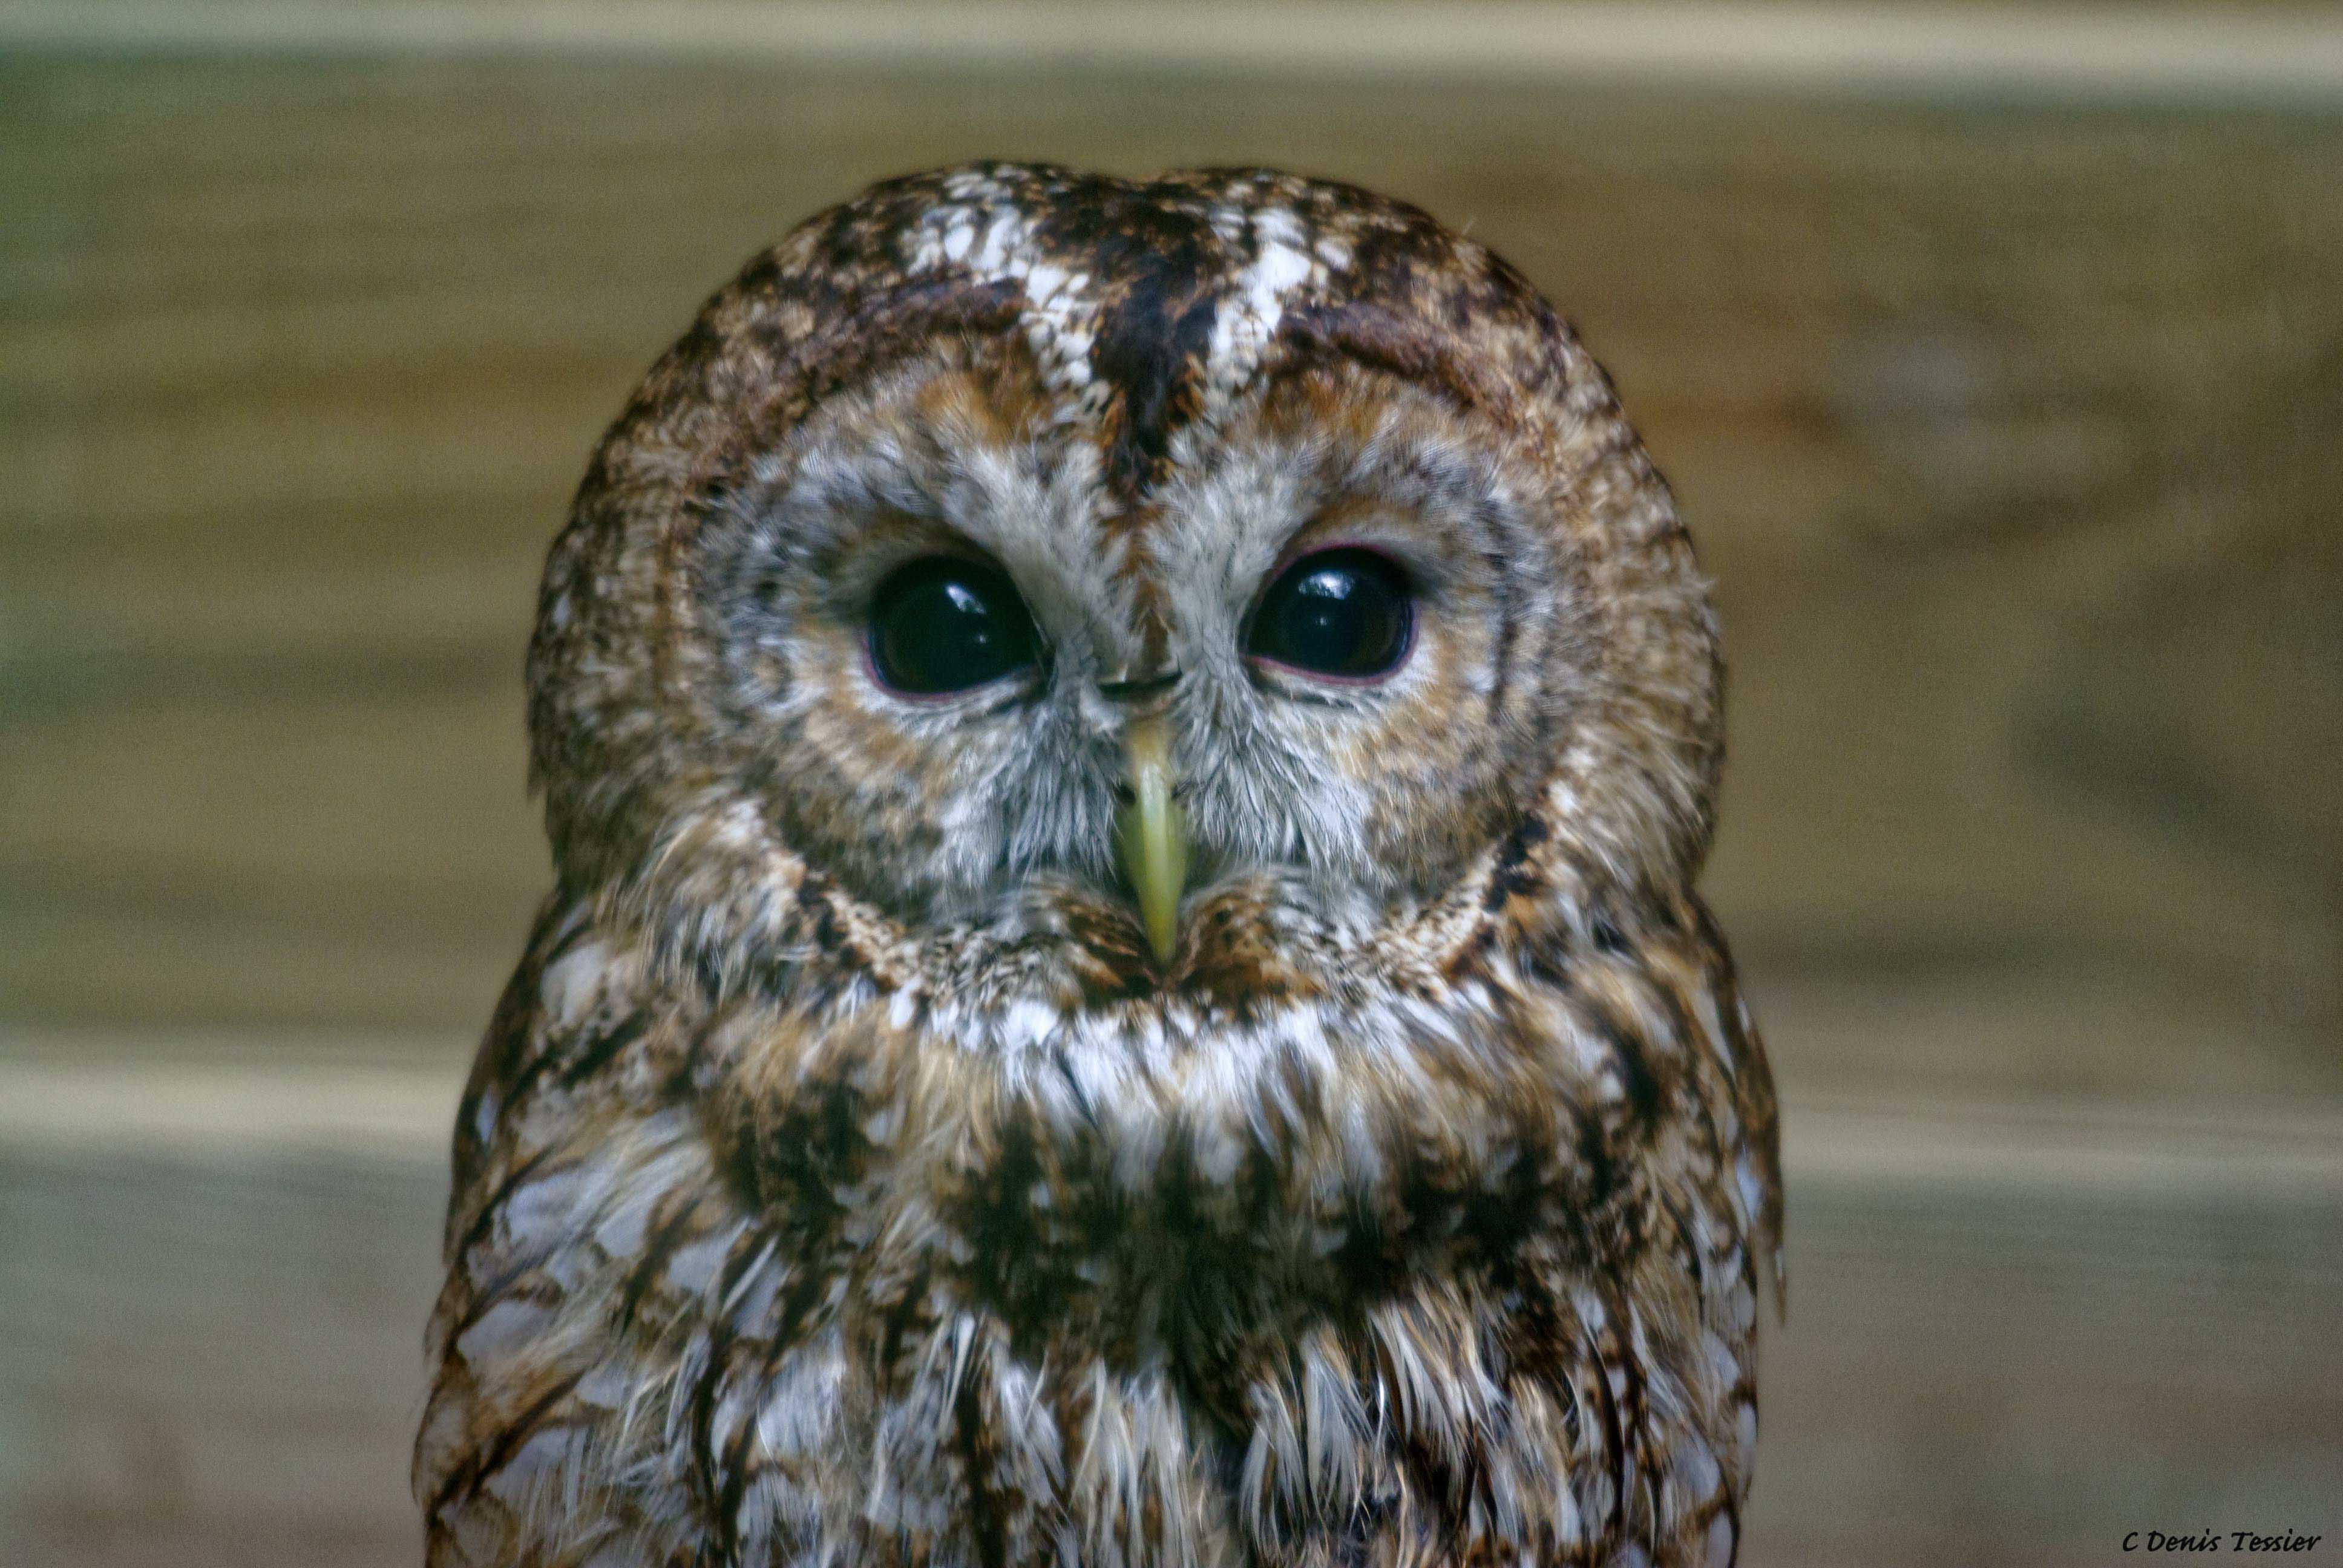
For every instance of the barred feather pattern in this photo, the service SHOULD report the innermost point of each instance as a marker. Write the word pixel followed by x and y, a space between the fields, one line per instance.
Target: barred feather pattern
pixel 746 1284
pixel 826 1195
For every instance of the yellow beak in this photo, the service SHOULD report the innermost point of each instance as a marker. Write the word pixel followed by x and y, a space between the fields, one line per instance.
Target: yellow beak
pixel 1152 834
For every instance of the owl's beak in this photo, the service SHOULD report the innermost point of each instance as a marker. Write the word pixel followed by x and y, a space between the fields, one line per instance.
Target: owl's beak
pixel 1152 834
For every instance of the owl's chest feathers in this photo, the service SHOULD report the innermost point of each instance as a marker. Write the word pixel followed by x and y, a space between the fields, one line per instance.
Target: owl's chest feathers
pixel 1151 1290
pixel 1387 1265
pixel 1197 1199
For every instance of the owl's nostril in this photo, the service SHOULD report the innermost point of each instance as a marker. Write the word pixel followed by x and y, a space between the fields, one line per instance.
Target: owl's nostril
pixel 1138 689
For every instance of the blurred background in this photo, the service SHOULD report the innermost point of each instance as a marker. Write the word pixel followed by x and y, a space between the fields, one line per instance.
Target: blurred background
pixel 1997 356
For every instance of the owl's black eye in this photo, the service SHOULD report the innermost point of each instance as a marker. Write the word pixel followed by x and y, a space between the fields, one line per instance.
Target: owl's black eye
pixel 1345 613
pixel 942 625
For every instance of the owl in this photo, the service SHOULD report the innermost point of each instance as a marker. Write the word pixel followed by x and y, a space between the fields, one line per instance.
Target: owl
pixel 1125 763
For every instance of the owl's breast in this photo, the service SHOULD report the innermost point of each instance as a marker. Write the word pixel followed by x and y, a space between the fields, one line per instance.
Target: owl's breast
pixel 1181 1230
pixel 1170 1183
pixel 1313 1276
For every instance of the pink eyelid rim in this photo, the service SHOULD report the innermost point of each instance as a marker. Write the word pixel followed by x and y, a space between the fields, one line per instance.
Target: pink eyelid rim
pixel 1407 647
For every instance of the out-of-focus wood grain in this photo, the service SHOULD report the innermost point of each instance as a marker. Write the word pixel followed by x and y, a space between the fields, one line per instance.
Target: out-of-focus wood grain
pixel 2008 436
pixel 2014 1332
pixel 2258 55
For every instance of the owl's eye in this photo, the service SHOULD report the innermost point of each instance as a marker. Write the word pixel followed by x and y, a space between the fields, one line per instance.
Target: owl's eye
pixel 1344 613
pixel 942 625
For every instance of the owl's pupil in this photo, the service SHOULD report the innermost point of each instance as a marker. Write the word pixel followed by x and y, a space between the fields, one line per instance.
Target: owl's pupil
pixel 942 625
pixel 1341 612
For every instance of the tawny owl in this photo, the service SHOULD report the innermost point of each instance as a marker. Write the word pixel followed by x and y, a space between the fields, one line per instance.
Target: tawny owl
pixel 1126 762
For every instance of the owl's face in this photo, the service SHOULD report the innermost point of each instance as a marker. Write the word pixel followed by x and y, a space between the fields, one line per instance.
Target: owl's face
pixel 937 630
pixel 985 496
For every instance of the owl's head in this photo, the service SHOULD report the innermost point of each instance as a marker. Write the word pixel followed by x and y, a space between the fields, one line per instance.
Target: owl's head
pixel 1051 581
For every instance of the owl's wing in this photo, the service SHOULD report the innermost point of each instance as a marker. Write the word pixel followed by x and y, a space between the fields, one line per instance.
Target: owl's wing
pixel 579 1184
pixel 1753 1136
pixel 1716 1173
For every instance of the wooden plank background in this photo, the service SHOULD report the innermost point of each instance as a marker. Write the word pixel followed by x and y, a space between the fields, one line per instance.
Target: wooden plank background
pixel 2007 428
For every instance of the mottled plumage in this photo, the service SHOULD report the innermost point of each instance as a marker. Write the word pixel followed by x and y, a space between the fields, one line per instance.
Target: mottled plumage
pixel 845 1181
